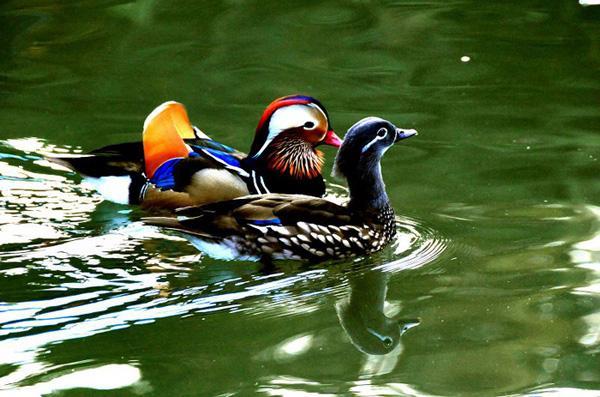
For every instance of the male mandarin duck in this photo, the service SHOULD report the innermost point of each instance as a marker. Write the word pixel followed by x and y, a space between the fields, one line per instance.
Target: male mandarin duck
pixel 287 226
pixel 178 165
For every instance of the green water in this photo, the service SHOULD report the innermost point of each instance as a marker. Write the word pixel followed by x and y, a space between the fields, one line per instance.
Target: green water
pixel 498 199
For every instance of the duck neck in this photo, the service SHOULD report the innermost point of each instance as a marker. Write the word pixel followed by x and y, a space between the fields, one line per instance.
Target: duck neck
pixel 367 190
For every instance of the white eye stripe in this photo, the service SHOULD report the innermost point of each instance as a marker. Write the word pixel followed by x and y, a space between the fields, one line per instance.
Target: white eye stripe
pixel 314 105
pixel 292 116
pixel 382 132
pixel 377 138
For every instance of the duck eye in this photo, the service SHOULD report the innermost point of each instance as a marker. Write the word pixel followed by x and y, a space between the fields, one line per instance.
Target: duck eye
pixel 309 125
pixel 382 132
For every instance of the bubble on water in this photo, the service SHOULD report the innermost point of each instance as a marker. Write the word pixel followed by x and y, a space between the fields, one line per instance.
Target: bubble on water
pixel 465 58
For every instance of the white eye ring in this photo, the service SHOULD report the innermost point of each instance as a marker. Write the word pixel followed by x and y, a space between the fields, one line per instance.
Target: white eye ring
pixel 381 134
pixel 309 125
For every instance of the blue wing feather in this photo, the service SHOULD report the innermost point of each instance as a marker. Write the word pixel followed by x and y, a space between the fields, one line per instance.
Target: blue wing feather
pixel 214 145
pixel 265 222
pixel 225 157
pixel 164 176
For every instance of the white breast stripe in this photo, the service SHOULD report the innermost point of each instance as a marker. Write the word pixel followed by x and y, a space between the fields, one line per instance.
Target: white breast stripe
pixel 262 182
pixel 228 166
pixel 143 191
pixel 254 182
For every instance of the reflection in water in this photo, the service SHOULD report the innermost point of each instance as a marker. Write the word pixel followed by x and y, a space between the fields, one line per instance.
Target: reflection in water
pixel 523 296
pixel 37 205
pixel 106 377
pixel 585 254
pixel 363 318
pixel 373 326
pixel 563 392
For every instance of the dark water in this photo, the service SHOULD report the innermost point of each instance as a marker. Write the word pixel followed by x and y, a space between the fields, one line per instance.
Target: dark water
pixel 498 201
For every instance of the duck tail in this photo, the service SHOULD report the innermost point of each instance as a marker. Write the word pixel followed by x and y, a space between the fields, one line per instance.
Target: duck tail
pixel 72 163
pixel 164 131
pixel 95 165
pixel 118 178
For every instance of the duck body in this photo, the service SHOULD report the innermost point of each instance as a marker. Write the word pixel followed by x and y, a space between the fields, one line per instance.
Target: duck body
pixel 177 165
pixel 281 226
pixel 117 171
pixel 289 226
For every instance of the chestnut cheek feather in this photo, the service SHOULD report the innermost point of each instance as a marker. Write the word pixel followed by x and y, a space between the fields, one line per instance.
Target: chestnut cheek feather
pixel 314 137
pixel 295 158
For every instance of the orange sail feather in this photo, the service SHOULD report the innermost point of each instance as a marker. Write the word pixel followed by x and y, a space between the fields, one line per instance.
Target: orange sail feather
pixel 164 130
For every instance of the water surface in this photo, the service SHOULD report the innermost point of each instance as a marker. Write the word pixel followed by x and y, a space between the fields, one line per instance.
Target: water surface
pixel 498 201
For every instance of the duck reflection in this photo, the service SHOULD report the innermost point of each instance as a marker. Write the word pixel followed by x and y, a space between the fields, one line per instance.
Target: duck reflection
pixel 363 318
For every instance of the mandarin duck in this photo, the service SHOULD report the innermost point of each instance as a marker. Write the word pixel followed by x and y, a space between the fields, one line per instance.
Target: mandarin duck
pixel 287 226
pixel 178 165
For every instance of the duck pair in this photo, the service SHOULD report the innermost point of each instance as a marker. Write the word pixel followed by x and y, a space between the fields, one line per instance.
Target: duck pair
pixel 262 205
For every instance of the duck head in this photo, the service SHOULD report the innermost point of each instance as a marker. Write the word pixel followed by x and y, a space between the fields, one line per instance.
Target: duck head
pixel 288 133
pixel 364 145
pixel 358 160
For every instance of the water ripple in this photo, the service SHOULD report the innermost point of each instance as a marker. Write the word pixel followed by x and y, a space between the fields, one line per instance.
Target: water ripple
pixel 90 280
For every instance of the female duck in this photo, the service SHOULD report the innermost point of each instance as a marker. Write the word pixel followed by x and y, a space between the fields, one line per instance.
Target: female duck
pixel 284 226
pixel 178 165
